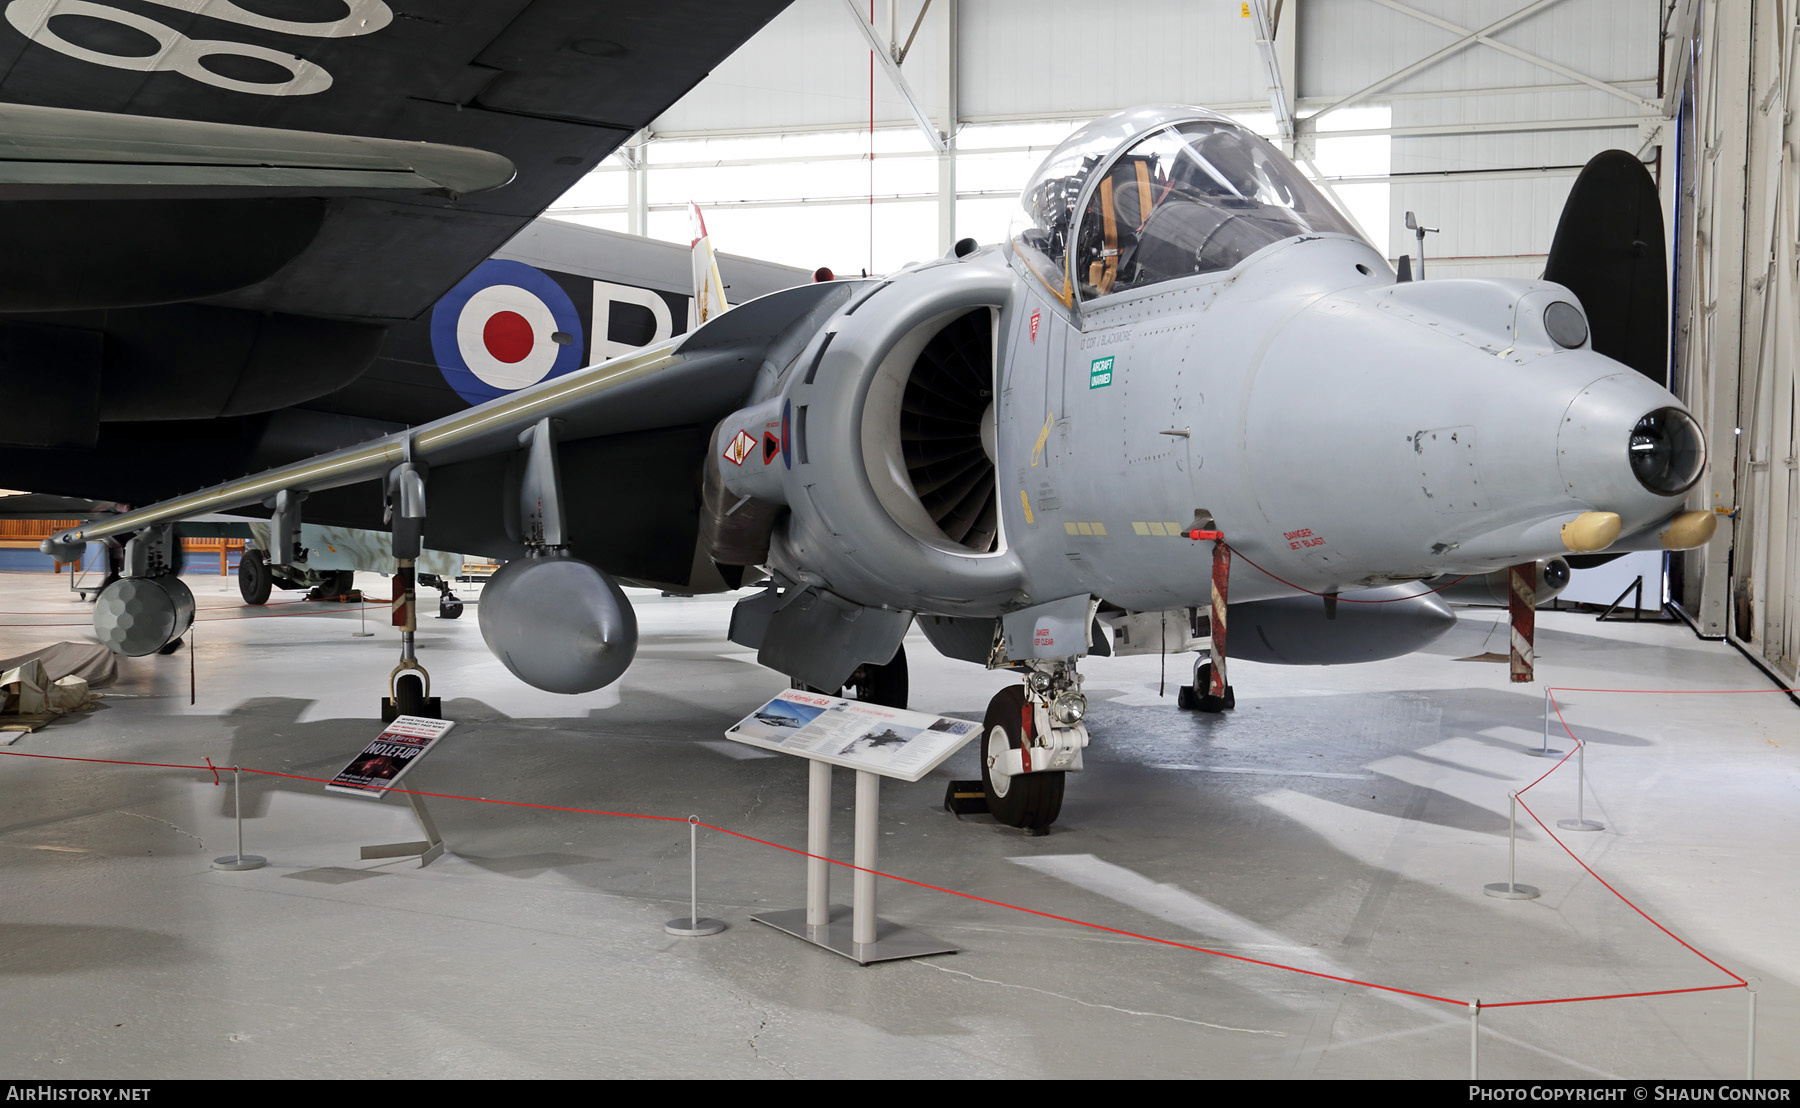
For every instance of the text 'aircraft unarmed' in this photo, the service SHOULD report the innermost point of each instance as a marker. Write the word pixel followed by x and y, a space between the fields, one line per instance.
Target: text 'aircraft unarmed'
pixel 1016 447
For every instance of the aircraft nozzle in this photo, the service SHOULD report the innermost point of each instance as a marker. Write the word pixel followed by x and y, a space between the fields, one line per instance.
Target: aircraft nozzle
pixel 1591 531
pixel 1689 530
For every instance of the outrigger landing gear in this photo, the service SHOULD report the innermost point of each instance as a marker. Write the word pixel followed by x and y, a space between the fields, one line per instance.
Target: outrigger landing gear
pixel 1032 735
pixel 409 686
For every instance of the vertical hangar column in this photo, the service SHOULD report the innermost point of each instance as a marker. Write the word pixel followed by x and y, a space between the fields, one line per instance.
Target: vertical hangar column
pixel 1713 313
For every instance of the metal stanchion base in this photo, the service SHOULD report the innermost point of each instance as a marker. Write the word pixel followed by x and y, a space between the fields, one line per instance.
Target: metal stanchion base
pixel 1542 753
pixel 362 634
pixel 1508 891
pixel 691 928
pixel 426 852
pixel 1580 825
pixel 239 862
pixel 892 941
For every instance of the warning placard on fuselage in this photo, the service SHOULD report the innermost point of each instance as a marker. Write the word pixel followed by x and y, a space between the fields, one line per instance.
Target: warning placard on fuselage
pixel 890 741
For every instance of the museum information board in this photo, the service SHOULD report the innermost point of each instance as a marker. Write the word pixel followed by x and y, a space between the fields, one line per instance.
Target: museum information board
pixel 888 741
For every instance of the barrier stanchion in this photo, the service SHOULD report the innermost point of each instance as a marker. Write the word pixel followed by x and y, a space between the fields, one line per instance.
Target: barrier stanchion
pixel 1510 889
pixel 240 860
pixel 693 926
pixel 1579 823
pixel 1474 1039
pixel 1750 1045
pixel 1545 751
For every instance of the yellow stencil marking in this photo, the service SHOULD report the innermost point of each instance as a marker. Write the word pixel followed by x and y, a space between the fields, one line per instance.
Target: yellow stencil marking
pixel 1026 500
pixel 1141 528
pixel 1085 528
pixel 1037 450
pixel 1157 529
pixel 1071 529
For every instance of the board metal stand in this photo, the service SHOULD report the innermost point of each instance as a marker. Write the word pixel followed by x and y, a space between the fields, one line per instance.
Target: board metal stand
pixel 856 933
pixel 428 851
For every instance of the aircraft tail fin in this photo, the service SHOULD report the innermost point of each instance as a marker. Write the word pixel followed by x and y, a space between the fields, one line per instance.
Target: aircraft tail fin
pixel 709 290
pixel 1611 253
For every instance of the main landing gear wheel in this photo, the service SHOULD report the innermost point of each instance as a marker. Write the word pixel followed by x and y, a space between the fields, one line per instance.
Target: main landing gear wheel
pixel 884 685
pixel 334 584
pixel 1028 800
pixel 254 579
pixel 1198 697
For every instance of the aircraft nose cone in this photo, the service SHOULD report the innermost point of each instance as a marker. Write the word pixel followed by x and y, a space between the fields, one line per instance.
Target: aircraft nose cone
pixel 1627 446
pixel 1668 451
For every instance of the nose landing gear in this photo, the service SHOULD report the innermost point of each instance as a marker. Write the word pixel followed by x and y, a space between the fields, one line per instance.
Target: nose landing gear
pixel 1032 736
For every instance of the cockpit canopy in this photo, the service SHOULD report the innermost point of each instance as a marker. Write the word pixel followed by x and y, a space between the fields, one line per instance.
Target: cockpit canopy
pixel 1155 194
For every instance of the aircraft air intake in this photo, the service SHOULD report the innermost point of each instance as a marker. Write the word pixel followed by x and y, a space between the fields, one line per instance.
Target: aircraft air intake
pixel 948 399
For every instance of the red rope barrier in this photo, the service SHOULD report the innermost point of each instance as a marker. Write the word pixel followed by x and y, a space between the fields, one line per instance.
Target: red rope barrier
pixel 1089 925
pixel 1609 996
pixel 1590 872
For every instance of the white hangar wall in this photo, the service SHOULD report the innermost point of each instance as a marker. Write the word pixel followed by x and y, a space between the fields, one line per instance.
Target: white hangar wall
pixel 1730 87
pixel 1482 140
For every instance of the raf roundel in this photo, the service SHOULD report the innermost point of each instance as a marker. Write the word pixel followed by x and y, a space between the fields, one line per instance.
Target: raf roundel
pixel 498 331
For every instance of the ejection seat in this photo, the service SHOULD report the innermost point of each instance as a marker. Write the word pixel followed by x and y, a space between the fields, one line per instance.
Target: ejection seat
pixel 1120 202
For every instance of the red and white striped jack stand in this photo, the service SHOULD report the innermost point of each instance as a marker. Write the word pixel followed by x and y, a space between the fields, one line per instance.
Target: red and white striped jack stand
pixel 1219 695
pixel 1522 605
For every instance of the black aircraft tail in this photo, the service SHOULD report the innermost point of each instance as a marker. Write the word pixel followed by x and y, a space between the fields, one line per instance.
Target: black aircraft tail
pixel 1610 252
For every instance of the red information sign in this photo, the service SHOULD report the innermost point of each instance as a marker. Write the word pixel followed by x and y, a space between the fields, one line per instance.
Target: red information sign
pixel 386 760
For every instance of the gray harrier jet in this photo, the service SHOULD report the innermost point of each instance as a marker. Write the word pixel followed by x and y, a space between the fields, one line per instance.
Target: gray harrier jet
pixel 1017 446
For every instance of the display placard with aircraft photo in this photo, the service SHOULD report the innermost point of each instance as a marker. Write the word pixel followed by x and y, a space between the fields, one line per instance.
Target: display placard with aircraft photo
pixel 888 741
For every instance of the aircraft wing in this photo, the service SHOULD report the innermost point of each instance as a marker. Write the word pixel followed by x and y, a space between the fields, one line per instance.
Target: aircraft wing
pixel 550 86
pixel 631 434
pixel 216 208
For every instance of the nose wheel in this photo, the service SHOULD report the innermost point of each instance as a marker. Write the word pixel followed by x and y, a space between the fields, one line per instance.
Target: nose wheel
pixel 1028 800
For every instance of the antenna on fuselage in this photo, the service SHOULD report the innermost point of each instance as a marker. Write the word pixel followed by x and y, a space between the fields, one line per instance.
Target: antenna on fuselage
pixel 1413 225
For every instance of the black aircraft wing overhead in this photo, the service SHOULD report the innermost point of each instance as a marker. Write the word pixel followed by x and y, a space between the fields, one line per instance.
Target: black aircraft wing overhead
pixel 215 207
pixel 628 435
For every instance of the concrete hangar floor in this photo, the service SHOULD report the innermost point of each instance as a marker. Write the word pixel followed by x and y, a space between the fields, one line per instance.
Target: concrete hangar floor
pixel 1341 821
